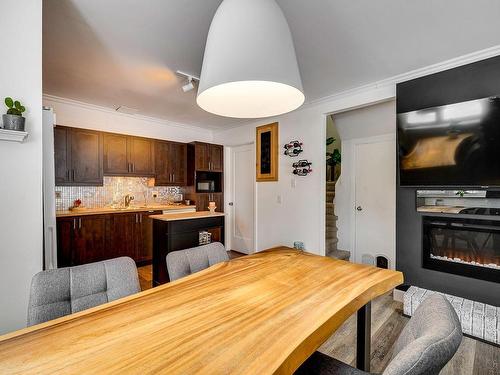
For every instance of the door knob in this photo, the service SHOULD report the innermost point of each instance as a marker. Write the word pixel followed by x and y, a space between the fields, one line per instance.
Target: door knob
pixel 359 208
pixel 230 203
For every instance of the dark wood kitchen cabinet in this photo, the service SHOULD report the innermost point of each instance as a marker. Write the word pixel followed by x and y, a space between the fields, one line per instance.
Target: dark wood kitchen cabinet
pixel 202 200
pixel 122 236
pixel 116 154
pixel 144 242
pixel 216 158
pixel 61 160
pixel 208 157
pixel 82 239
pixel 92 238
pixel 170 163
pixel 218 198
pixel 89 239
pixel 205 164
pixel 78 157
pixel 128 156
pixel 141 156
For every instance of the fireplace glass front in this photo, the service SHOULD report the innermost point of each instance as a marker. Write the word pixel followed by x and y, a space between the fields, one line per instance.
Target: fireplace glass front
pixel 467 247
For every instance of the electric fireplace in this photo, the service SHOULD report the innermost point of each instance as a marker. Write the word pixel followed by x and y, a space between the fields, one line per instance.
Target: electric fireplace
pixel 467 247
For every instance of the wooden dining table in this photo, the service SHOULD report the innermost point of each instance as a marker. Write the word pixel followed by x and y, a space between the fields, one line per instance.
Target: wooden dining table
pixel 264 313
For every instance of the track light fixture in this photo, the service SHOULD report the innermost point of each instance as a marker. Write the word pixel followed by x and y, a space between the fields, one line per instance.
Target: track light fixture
pixel 190 80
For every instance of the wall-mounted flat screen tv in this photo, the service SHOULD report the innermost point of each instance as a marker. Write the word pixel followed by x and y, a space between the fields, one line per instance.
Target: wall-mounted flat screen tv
pixel 452 145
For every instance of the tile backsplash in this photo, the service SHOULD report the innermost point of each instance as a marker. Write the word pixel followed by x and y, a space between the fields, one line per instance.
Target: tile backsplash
pixel 113 191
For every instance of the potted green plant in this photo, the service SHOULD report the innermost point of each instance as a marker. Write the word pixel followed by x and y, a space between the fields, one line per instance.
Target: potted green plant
pixel 332 159
pixel 13 119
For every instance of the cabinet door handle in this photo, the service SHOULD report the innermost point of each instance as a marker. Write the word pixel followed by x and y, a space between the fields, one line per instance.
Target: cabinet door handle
pixel 73 175
pixel 133 167
pixel 136 218
pixel 173 177
pixel 74 224
pixel 67 174
pixel 140 218
pixel 80 223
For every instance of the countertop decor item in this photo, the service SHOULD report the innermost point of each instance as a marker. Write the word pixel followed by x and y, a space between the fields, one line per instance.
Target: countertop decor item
pixel 13 119
pixel 250 68
pixel 267 152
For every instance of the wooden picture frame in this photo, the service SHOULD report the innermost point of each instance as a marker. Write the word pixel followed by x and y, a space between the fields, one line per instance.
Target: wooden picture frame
pixel 267 152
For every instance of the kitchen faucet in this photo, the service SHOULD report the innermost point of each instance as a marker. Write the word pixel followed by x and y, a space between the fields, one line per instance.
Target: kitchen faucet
pixel 128 198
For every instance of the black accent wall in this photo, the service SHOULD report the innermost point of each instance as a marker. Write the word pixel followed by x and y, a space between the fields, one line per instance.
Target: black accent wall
pixel 468 82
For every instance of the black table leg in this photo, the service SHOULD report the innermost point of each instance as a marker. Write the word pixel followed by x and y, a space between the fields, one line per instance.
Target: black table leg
pixel 363 338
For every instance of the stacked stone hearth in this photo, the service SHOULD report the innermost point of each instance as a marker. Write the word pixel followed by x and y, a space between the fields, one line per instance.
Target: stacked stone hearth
pixel 331 226
pixel 478 319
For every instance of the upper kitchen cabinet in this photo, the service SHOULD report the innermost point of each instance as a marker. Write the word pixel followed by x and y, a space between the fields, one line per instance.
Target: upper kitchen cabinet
pixel 216 158
pixel 116 154
pixel 170 163
pixel 77 157
pixel 208 157
pixel 128 156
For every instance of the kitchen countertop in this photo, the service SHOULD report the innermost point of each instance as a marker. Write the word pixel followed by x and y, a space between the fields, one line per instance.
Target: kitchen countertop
pixel 187 216
pixel 110 210
pixel 441 209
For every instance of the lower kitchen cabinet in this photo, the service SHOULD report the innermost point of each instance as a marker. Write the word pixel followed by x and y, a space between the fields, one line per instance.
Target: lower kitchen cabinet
pixel 81 239
pixel 86 239
pixel 144 237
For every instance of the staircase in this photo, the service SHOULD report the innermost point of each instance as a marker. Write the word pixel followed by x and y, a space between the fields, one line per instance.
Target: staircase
pixel 331 226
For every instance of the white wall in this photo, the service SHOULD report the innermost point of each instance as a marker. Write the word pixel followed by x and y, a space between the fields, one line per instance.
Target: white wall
pixel 297 217
pixel 81 115
pixel 21 164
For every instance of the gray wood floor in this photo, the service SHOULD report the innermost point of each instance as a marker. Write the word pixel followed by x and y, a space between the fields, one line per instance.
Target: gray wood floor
pixel 473 357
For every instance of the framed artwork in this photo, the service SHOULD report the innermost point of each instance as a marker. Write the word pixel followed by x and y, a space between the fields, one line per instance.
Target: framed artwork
pixel 267 152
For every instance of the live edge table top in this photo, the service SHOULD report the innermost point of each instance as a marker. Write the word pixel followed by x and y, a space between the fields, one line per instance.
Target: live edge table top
pixel 260 314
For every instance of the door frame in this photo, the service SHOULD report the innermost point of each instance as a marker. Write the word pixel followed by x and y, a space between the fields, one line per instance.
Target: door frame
pixel 354 143
pixel 229 194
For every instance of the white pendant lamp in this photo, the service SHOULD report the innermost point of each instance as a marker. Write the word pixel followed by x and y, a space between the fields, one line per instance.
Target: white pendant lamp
pixel 249 69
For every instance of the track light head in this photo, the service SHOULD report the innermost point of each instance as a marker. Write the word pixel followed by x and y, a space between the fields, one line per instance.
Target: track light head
pixel 189 85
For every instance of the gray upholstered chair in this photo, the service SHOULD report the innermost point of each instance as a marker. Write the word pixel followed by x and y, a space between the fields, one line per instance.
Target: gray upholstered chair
pixel 424 347
pixel 185 262
pixel 63 291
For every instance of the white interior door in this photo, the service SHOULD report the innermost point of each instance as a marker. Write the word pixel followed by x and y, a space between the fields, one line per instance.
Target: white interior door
pixel 375 199
pixel 242 187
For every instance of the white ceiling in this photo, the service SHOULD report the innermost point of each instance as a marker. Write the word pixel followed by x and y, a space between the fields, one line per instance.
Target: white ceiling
pixel 125 52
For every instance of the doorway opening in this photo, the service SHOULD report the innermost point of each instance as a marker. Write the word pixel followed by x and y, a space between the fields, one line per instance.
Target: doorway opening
pixel 241 210
pixel 333 171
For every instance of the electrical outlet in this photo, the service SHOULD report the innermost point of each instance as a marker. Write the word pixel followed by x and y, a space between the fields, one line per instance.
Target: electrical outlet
pixel 278 199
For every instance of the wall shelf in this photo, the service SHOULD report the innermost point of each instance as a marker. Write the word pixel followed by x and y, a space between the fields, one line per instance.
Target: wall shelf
pixel 12 135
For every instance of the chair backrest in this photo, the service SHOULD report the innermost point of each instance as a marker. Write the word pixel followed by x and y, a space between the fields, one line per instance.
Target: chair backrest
pixel 185 262
pixel 428 341
pixel 63 291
